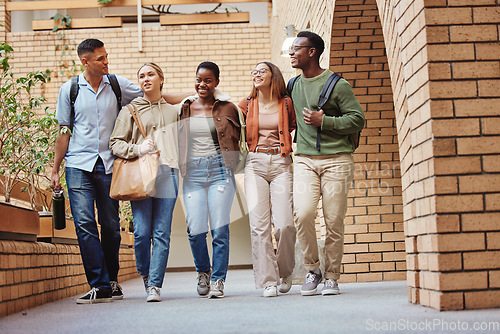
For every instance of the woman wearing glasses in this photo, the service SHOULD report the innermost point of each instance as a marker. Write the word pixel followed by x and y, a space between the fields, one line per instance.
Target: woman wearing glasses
pixel 270 118
pixel 209 131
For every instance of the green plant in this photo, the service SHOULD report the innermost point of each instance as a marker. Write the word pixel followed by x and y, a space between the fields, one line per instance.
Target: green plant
pixel 67 67
pixel 126 218
pixel 26 139
pixel 61 22
pixel 104 2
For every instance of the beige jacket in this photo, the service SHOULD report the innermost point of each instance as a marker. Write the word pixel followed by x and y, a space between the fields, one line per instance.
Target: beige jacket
pixel 160 123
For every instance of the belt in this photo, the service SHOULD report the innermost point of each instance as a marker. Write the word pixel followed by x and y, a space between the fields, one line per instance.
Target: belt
pixel 268 150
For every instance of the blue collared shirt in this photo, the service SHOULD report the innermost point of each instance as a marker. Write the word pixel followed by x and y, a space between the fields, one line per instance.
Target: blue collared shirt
pixel 95 115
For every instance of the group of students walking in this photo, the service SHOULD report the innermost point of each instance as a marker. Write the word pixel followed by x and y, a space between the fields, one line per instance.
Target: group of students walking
pixel 200 141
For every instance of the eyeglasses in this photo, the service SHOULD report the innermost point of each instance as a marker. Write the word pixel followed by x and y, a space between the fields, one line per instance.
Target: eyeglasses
pixel 262 71
pixel 295 48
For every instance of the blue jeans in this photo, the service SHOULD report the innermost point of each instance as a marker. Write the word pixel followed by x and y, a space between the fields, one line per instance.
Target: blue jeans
pixel 152 225
pixel 208 191
pixel 100 257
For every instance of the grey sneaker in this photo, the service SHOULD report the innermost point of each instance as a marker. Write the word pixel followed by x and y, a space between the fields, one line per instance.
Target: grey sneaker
pixel 145 279
pixel 203 286
pixel 116 291
pixel 216 289
pixel 331 287
pixel 286 284
pixel 310 284
pixel 153 294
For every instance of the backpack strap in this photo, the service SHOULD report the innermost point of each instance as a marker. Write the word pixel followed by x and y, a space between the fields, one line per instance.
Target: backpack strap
pixel 328 89
pixel 289 86
pixel 73 93
pixel 323 98
pixel 116 89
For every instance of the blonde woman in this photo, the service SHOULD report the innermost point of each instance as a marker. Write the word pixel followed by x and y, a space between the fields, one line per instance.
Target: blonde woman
pixel 152 216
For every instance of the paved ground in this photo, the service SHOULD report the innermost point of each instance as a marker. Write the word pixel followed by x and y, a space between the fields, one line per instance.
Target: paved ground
pixel 360 308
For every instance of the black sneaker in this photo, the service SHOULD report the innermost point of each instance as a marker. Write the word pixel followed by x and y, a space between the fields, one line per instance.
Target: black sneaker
pixel 116 291
pixel 96 295
pixel 310 284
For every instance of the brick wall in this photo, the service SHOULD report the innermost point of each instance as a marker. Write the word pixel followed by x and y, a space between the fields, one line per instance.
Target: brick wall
pixel 236 48
pixel 314 14
pixel 444 56
pixel 374 247
pixel 4 20
pixel 35 273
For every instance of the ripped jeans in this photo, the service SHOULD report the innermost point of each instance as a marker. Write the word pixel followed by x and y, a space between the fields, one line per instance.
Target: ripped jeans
pixel 208 192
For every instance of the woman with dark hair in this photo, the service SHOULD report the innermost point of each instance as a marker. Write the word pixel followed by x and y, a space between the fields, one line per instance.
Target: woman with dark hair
pixel 152 216
pixel 270 118
pixel 209 132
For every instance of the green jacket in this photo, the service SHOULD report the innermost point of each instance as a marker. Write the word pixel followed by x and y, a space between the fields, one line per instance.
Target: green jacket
pixel 343 116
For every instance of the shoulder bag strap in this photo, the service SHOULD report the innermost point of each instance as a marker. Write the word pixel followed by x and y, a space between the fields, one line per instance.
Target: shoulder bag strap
pixel 137 118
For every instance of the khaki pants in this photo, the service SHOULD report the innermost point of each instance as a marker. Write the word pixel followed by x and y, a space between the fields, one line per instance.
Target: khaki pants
pixel 268 188
pixel 330 177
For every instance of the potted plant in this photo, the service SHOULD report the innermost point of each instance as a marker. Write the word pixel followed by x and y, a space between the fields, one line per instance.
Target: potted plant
pixel 27 135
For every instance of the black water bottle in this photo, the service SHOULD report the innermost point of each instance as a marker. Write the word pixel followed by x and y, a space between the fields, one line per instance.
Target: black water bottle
pixel 58 210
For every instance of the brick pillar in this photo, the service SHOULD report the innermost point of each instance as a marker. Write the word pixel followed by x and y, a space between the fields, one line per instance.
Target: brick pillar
pixel 4 21
pixel 374 238
pixel 444 65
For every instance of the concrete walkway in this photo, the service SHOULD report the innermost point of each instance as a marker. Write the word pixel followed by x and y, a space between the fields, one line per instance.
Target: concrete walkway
pixel 361 307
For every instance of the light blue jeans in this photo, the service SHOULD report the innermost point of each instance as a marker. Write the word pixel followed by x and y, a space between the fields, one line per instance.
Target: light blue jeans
pixel 152 225
pixel 208 191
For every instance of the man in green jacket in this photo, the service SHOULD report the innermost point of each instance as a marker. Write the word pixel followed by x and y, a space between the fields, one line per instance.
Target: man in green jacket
pixel 324 165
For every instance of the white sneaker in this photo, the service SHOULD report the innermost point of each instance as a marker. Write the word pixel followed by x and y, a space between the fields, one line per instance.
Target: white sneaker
pixel 216 289
pixel 270 291
pixel 286 284
pixel 153 294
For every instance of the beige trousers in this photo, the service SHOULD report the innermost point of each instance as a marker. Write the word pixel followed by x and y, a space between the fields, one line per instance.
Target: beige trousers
pixel 268 188
pixel 330 177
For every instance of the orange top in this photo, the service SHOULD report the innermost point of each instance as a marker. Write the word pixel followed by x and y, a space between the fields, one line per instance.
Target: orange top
pixel 286 123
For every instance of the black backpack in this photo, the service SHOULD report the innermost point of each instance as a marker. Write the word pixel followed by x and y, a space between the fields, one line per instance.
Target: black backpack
pixel 73 93
pixel 323 98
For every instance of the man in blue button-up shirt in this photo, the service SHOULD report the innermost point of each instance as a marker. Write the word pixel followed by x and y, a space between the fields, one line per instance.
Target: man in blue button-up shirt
pixel 89 164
